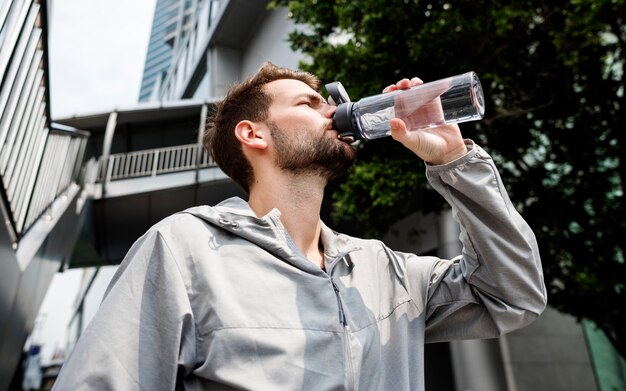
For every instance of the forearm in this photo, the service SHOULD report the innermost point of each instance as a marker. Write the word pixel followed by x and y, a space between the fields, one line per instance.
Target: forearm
pixel 500 254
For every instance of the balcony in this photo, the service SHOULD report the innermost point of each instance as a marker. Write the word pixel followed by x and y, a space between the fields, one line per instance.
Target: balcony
pixel 139 170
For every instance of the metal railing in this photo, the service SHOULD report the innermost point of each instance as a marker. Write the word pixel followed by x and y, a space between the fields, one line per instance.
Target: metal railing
pixel 153 162
pixel 36 164
pixel 59 168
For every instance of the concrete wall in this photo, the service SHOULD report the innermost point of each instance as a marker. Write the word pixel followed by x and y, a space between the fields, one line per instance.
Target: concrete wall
pixel 227 65
pixel 551 354
pixel 224 64
pixel 23 284
pixel 269 43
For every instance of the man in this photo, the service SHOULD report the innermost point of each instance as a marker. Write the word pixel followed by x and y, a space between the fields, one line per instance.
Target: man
pixel 261 295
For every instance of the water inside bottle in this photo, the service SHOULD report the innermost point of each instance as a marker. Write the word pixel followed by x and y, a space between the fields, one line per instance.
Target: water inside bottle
pixel 418 111
pixel 446 101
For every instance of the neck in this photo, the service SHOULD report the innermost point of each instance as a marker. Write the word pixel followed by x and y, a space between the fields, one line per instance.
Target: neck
pixel 299 199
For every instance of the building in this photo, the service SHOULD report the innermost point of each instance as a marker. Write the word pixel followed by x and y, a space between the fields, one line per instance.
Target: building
pixel 171 22
pixel 217 52
pixel 159 55
pixel 41 200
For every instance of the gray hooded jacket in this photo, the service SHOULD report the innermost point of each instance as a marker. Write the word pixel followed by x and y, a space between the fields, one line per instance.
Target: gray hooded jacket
pixel 214 298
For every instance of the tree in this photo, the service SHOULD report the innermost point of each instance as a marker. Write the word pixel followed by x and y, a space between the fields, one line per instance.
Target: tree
pixel 552 73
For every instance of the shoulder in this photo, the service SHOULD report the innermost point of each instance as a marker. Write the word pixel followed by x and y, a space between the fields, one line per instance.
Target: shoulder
pixel 180 224
pixel 336 243
pixel 174 238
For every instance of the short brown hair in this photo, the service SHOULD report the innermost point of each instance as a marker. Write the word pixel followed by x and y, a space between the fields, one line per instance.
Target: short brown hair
pixel 244 101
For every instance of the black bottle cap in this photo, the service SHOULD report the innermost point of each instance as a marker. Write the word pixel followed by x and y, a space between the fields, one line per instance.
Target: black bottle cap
pixel 343 124
pixel 342 120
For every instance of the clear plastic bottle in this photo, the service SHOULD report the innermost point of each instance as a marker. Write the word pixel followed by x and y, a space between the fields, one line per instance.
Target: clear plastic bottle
pixel 451 100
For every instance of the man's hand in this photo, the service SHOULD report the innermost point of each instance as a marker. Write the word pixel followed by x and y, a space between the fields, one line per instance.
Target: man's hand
pixel 438 145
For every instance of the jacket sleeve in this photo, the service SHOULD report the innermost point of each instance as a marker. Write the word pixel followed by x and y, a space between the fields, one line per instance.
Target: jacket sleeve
pixel 496 285
pixel 142 336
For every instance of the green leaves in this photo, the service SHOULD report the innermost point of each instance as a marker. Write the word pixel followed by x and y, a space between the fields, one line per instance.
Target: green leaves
pixel 382 188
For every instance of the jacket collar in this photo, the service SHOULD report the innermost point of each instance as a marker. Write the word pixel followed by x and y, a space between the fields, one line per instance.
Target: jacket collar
pixel 236 216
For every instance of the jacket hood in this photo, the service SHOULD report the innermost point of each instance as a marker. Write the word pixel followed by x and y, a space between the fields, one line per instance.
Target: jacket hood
pixel 235 216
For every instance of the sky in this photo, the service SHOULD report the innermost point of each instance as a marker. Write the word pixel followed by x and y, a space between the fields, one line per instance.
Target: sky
pixel 96 52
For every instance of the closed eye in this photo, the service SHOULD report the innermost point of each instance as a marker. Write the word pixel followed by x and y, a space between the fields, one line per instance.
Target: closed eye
pixel 311 100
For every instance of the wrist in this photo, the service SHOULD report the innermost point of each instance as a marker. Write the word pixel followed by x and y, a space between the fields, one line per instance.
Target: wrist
pixel 452 156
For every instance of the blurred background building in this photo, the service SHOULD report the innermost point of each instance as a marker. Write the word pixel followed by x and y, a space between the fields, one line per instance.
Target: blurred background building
pixel 78 191
pixel 165 25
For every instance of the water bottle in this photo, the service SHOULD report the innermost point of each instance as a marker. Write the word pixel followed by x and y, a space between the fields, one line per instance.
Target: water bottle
pixel 451 100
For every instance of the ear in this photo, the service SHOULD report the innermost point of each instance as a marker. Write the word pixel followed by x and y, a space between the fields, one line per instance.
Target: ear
pixel 251 134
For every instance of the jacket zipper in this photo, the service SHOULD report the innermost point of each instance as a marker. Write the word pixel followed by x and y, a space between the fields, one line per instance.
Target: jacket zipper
pixel 342 315
pixel 347 350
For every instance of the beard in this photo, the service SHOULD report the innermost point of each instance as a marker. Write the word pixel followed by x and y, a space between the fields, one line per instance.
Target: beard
pixel 321 155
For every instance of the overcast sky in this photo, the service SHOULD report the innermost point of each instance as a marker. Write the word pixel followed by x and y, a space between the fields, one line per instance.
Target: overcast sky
pixel 97 51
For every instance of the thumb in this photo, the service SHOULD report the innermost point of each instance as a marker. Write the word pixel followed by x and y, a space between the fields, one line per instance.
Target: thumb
pixel 399 131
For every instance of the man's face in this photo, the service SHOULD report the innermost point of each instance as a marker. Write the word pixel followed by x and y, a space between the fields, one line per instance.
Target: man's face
pixel 301 127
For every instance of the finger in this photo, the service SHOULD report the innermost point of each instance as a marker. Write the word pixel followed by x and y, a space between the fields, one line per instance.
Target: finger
pixel 416 81
pixel 389 88
pixel 404 84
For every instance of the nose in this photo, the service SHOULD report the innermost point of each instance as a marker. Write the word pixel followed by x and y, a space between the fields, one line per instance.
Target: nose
pixel 329 110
